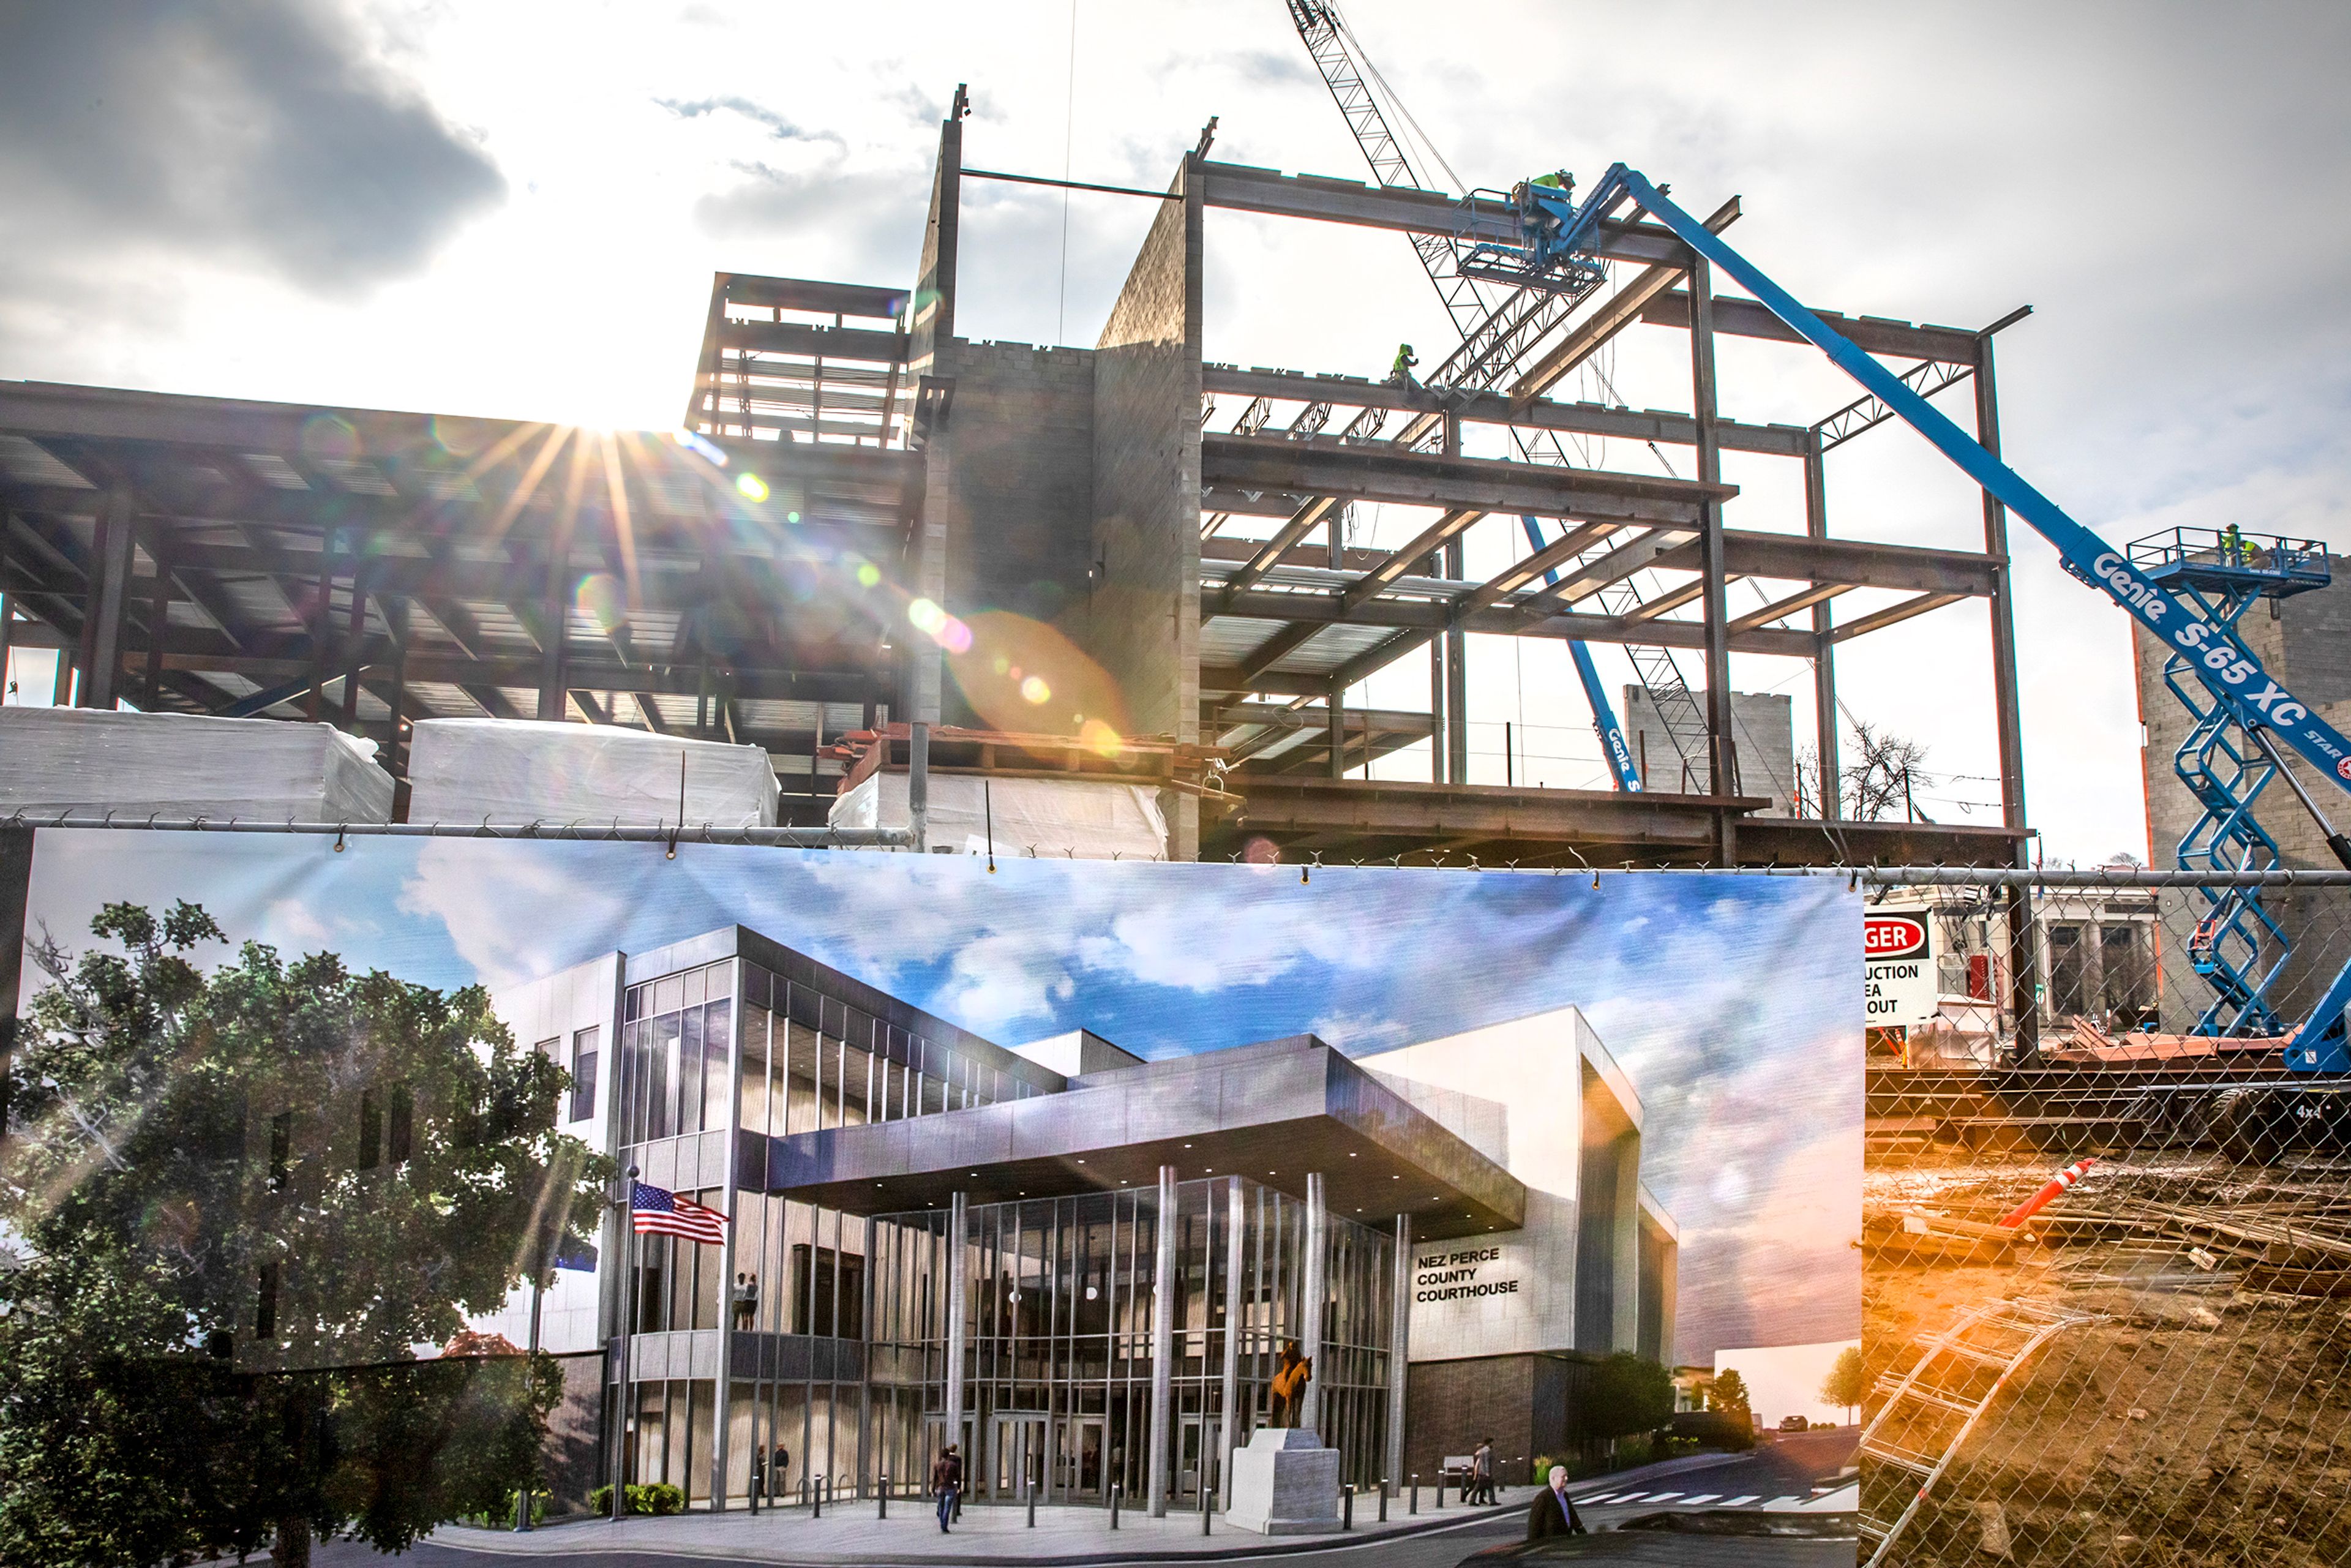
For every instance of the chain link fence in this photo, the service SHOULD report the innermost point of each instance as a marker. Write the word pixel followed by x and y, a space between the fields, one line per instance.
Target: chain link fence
pixel 2154 1366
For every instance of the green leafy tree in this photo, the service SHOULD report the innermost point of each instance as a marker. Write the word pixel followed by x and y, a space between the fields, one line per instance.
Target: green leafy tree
pixel 1730 1395
pixel 1628 1393
pixel 1847 1384
pixel 240 1197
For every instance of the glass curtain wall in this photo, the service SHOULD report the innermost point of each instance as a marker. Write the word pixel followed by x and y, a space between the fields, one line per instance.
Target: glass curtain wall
pixel 1057 1334
pixel 796 1306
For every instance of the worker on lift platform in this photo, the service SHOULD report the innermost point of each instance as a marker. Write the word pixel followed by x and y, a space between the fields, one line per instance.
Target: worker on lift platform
pixel 1400 372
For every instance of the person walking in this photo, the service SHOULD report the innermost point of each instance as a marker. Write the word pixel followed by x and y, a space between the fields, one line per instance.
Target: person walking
pixel 1553 1512
pixel 1481 1473
pixel 947 1480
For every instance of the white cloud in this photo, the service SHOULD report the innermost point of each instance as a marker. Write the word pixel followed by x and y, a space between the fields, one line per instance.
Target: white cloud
pixel 481 892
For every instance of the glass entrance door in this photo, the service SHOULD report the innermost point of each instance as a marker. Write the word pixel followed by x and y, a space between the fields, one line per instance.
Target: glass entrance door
pixel 1190 1432
pixel 1019 1457
pixel 1078 1475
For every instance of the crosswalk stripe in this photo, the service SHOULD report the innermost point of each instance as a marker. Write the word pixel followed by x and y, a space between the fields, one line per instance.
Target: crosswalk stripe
pixel 1664 1496
pixel 1629 1497
pixel 1590 1501
pixel 1742 1501
pixel 1778 1501
pixel 1702 1497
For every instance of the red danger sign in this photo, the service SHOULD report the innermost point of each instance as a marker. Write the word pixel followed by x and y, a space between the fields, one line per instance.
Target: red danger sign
pixel 1893 936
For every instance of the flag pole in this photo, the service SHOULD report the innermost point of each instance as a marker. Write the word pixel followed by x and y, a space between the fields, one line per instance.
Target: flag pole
pixel 629 1295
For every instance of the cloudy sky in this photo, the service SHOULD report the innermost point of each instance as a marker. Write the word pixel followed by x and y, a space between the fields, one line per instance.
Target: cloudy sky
pixel 1733 1003
pixel 514 209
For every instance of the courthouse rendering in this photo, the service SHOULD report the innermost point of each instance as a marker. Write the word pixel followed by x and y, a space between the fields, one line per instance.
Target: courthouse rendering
pixel 1079 1264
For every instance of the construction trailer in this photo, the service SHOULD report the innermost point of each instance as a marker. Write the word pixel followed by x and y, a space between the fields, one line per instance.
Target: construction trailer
pixel 851 457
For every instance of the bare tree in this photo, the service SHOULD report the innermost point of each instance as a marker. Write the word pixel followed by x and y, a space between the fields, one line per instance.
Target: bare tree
pixel 1882 781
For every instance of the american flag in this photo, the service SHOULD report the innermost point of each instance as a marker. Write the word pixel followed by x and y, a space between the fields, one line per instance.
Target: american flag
pixel 657 1212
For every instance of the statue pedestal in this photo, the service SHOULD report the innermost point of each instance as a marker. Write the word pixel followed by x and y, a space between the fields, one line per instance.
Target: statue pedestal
pixel 1284 1483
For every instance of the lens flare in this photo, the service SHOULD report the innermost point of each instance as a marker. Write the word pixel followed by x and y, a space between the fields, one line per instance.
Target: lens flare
pixel 868 574
pixel 791 516
pixel 602 599
pixel 939 626
pixel 753 487
pixel 701 447
pixel 1023 677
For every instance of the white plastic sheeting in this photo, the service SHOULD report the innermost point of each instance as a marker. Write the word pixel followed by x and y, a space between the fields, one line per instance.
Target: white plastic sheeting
pixel 187 765
pixel 1054 818
pixel 524 770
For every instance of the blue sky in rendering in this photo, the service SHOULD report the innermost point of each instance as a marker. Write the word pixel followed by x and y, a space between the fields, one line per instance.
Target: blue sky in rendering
pixel 1734 1003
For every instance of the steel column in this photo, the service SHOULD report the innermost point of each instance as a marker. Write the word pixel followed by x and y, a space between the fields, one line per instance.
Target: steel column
pixel 159 624
pixel 959 1283
pixel 1457 680
pixel 1721 754
pixel 1399 1348
pixel 354 648
pixel 1310 1335
pixel 2024 961
pixel 1229 1433
pixel 1163 1339
pixel 1336 724
pixel 102 612
pixel 1816 526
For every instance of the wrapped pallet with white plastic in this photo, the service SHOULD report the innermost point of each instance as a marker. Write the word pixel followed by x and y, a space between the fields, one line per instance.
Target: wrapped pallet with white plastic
pixel 1053 819
pixel 514 771
pixel 179 768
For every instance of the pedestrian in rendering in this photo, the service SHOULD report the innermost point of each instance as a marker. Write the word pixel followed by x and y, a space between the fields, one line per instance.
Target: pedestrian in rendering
pixel 777 1469
pixel 947 1480
pixel 1481 1473
pixel 1553 1512
pixel 747 1298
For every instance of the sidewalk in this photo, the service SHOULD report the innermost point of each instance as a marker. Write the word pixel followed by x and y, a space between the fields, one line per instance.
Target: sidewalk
pixel 849 1533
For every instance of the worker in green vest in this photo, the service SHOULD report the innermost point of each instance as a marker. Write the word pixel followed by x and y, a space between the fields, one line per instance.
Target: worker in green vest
pixel 1400 372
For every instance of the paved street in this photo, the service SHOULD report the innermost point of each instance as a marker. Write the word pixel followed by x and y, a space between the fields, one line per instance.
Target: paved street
pixel 1780 1475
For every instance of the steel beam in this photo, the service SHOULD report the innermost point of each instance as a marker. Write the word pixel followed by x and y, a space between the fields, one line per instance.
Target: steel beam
pixel 1503 409
pixel 1780 608
pixel 1323 468
pixel 1747 319
pixel 1892 614
pixel 1429 617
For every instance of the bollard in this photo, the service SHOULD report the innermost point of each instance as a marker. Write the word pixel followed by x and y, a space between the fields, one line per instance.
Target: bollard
pixel 1347 1506
pixel 1415 1492
pixel 1114 1489
pixel 1440 1492
pixel 1206 1492
pixel 1384 1499
pixel 1029 1495
pixel 883 1495
pixel 816 1497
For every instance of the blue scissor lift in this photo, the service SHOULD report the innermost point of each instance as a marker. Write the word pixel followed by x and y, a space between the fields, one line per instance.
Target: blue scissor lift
pixel 2238 945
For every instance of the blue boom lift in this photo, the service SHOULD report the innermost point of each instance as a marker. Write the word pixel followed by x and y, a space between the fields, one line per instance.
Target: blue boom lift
pixel 2243 716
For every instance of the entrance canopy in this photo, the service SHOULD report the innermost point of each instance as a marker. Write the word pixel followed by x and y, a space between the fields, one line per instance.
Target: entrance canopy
pixel 1272 1111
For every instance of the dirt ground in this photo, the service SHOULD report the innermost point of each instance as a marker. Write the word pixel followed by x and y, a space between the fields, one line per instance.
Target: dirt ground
pixel 2196 1422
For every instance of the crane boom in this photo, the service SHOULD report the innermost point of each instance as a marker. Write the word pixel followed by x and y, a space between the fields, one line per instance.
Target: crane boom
pixel 1603 712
